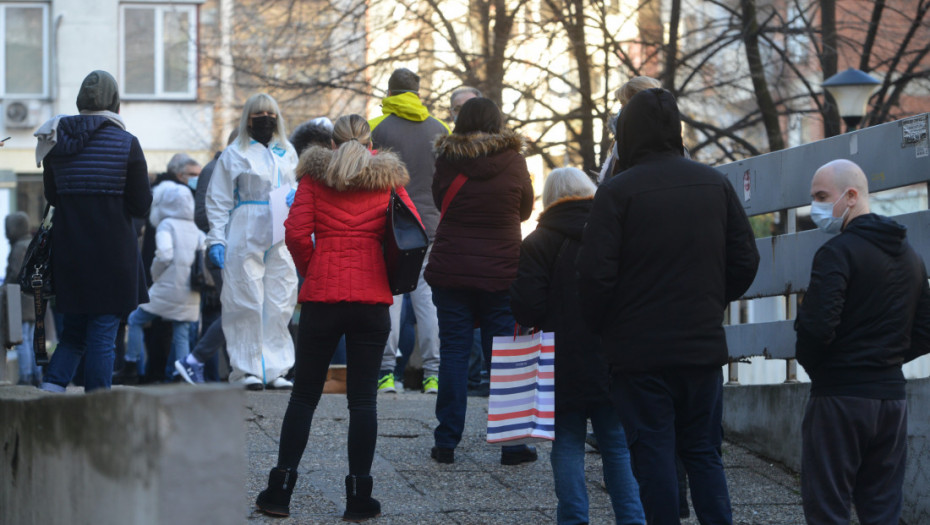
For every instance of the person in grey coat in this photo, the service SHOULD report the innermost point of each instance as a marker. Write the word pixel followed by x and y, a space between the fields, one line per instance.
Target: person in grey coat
pixel 17 232
pixel 407 128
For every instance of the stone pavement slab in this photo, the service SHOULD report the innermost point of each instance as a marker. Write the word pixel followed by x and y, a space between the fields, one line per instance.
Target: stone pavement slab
pixel 476 489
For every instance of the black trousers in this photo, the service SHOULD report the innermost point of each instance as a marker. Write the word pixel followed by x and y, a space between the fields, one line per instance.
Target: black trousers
pixel 853 451
pixel 366 328
pixel 668 412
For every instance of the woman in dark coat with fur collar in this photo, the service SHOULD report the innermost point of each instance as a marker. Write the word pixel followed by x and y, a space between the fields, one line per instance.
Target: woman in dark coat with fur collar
pixel 341 201
pixel 484 192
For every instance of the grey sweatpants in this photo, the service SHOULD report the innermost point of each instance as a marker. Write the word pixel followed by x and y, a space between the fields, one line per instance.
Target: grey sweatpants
pixel 853 452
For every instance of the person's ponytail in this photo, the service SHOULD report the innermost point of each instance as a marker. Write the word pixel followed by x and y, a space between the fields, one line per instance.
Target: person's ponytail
pixel 352 136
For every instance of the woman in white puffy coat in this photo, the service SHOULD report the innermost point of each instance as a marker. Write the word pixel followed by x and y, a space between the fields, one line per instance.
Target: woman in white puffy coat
pixel 259 278
pixel 177 240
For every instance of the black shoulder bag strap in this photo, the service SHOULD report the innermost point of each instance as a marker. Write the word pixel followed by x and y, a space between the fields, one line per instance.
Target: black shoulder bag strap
pixel 38 335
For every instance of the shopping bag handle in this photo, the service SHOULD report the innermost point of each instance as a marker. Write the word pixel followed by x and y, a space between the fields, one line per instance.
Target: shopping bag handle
pixel 516 330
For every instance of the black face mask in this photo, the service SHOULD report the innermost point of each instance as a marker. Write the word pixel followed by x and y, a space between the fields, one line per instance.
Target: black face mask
pixel 263 128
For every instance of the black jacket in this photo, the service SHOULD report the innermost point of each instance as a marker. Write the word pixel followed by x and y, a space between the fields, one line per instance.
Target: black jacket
pixel 97 179
pixel 666 247
pixel 545 295
pixel 200 194
pixel 865 313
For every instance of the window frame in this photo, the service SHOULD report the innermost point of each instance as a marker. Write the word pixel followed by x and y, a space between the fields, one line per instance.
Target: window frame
pixel 46 52
pixel 159 51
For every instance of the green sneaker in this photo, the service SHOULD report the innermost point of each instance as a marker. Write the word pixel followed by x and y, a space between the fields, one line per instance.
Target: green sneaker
pixel 431 385
pixel 386 383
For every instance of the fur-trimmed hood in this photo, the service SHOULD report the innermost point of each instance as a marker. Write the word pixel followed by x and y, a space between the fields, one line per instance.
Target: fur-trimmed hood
pixel 385 170
pixel 481 155
pixel 474 145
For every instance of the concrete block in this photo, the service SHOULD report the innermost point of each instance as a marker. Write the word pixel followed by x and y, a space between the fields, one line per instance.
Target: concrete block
pixel 162 455
pixel 766 419
pixel 917 475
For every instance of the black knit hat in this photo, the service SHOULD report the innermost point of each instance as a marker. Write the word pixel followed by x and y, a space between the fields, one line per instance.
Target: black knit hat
pixel 403 80
pixel 99 92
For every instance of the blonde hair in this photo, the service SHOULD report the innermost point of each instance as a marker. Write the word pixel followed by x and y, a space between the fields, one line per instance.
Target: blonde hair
pixel 634 86
pixel 352 135
pixel 566 182
pixel 255 104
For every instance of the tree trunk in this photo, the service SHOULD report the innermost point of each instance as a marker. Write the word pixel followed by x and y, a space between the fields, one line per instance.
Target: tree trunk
pixel 574 26
pixel 760 85
pixel 671 49
pixel 828 64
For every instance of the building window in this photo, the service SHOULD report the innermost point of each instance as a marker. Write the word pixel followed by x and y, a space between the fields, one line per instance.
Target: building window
pixel 158 52
pixel 25 50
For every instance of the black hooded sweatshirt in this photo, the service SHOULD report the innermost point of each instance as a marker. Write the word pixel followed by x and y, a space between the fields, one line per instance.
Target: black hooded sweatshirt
pixel 545 295
pixel 865 313
pixel 666 247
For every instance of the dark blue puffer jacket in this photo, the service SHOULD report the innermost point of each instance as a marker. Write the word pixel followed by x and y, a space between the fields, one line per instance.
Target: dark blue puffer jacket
pixel 97 179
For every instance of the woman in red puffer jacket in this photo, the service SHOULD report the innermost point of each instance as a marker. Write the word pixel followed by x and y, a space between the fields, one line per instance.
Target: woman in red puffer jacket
pixel 341 201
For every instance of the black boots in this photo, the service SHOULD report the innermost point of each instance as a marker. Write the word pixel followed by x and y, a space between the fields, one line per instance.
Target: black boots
pixel 359 504
pixel 276 499
pixel 128 375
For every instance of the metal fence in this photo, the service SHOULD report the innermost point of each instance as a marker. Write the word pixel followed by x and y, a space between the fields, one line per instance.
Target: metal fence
pixel 893 155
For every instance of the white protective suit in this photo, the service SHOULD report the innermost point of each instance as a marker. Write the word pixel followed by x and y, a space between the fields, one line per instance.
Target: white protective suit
pixel 259 280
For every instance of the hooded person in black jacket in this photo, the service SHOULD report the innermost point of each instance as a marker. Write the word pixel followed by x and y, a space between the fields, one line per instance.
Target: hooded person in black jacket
pixel 666 247
pixel 545 295
pixel 865 313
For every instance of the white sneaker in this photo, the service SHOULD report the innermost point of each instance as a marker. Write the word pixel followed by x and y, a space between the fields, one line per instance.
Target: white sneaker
pixel 281 384
pixel 251 382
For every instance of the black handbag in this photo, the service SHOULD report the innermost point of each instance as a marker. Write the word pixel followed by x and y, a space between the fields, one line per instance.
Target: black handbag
pixel 35 279
pixel 405 244
pixel 36 271
pixel 201 277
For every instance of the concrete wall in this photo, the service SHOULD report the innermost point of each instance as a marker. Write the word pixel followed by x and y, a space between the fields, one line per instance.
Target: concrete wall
pixel 168 455
pixel 767 420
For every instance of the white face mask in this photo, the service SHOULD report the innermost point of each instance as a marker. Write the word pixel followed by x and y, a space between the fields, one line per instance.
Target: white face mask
pixel 822 215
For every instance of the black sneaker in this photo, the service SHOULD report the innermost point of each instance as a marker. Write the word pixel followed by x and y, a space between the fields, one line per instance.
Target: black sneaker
pixel 526 454
pixel 443 455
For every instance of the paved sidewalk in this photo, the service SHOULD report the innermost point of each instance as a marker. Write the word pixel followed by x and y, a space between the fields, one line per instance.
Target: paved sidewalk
pixel 477 489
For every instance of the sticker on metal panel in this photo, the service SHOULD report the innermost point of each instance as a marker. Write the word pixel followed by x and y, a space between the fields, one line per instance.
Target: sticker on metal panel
pixel 747 185
pixel 913 131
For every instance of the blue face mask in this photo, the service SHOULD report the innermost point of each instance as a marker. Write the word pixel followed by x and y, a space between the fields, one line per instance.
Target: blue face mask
pixel 192 182
pixel 822 215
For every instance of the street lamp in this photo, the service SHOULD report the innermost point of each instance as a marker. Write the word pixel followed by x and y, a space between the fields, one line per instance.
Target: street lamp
pixel 851 90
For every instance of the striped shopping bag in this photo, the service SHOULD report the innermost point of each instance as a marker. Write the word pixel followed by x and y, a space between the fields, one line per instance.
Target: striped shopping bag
pixel 521 408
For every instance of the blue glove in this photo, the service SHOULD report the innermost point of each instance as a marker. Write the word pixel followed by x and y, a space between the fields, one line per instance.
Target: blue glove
pixel 290 198
pixel 217 254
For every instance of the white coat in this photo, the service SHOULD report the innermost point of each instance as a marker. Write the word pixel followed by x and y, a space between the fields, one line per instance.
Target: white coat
pixel 177 239
pixel 259 279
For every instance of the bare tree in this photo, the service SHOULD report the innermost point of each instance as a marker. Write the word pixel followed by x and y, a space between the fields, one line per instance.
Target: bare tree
pixel 747 73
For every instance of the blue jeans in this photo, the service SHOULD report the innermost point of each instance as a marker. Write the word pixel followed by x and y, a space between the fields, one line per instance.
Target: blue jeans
pixel 25 356
pixel 668 410
pixel 92 336
pixel 477 373
pixel 180 337
pixel 458 311
pixel 567 457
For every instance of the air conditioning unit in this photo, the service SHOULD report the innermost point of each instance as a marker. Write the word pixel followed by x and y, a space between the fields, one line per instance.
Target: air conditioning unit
pixel 20 114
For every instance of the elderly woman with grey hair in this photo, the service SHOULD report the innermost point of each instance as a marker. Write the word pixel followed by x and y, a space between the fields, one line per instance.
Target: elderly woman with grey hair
pixel 545 295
